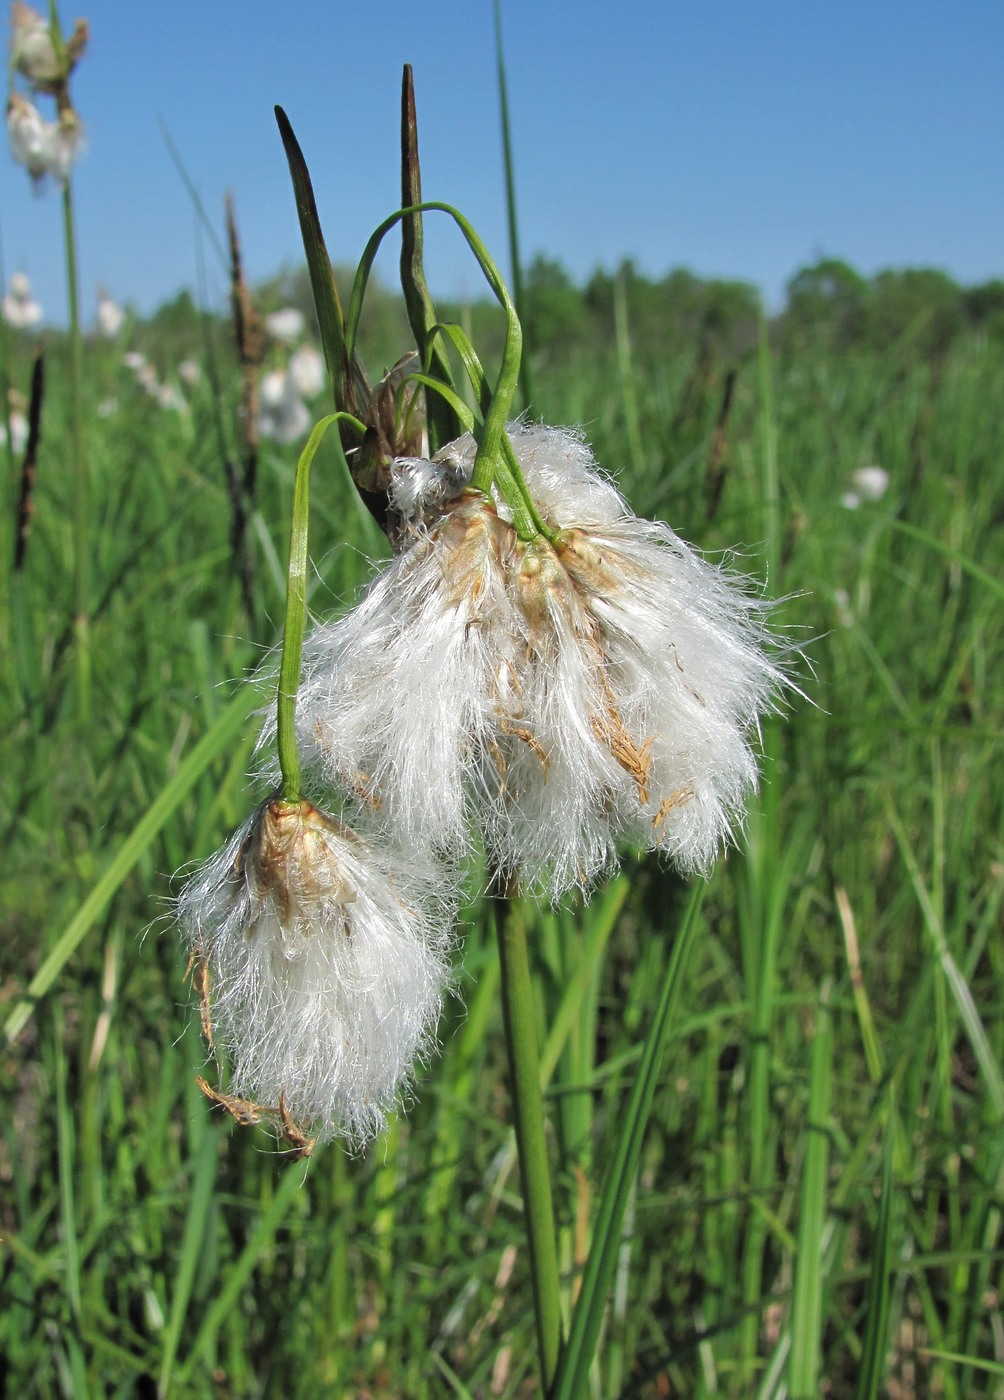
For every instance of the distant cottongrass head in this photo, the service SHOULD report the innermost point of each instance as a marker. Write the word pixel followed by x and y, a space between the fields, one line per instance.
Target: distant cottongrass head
pixel 33 54
pixel 111 317
pixel 32 51
pixel 307 372
pixel 285 325
pixel 560 698
pixel 283 416
pixel 20 309
pixel 18 431
pixel 44 148
pixel 324 965
pixel 867 484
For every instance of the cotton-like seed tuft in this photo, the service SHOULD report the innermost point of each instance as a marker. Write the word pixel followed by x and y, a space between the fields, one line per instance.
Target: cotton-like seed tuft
pixel 560 698
pixel 325 964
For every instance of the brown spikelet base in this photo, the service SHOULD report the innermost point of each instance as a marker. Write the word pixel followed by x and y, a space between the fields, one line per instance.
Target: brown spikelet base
pixel 249 1113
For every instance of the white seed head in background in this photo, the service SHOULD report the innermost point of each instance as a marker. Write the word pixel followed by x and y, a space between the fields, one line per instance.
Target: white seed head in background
pixel 283 416
pixel 31 48
pixel 44 148
pixel 871 483
pixel 307 372
pixel 285 325
pixel 111 317
pixel 18 431
pixel 30 135
pixel 326 962
pixel 20 310
pixel 33 54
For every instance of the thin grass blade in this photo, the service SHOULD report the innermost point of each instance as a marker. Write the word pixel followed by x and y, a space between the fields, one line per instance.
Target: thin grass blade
pixel 572 1379
pixel 239 1271
pixel 199 1201
pixel 807 1302
pixel 213 742
pixel 877 1298
pixel 322 281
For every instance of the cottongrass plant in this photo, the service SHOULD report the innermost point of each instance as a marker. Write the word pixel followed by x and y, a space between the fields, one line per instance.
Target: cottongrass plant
pixel 537 672
pixel 19 308
pixel 320 955
pixel 43 58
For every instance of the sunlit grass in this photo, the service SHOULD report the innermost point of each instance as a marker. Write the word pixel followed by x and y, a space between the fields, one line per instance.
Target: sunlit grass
pixel 784 1196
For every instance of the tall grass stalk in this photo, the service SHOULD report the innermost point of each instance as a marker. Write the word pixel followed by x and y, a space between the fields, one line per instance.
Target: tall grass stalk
pixel 83 541
pixel 519 1013
pixel 807 1299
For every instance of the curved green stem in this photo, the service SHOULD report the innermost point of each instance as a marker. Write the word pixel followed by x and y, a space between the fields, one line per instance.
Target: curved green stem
pixel 528 1117
pixel 527 520
pixel 494 460
pixel 296 609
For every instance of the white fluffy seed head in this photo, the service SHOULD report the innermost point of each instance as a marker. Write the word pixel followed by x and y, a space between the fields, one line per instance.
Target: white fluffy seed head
pixel 326 966
pixel 31 48
pixel 43 147
pixel 399 696
pixel 560 698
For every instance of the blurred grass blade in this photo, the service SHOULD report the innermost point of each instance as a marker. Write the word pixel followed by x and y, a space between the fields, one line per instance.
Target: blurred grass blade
pixel 957 556
pixel 807 1300
pixel 322 280
pixel 201 1194
pixel 626 374
pixel 572 1379
pixel 456 1385
pixel 877 1298
pixel 239 1271
pixel 978 1363
pixel 67 1198
pixel 200 209
pixel 866 1021
pixel 174 792
pixel 970 1016
pixel 599 921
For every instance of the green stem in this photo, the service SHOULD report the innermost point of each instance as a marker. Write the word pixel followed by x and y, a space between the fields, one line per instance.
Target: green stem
pixel 528 1115
pixel 494 457
pixel 78 453
pixel 527 520
pixel 296 610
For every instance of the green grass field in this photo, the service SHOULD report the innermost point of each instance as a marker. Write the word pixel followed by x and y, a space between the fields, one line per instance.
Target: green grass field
pixel 817 1208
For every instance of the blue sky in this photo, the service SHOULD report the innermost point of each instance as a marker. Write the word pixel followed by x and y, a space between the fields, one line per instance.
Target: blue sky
pixel 737 139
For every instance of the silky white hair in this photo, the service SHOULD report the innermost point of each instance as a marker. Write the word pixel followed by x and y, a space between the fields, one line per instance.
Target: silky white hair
pixel 559 699
pixel 326 962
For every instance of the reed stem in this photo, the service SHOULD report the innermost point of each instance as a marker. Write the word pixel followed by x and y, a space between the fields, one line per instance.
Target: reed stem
pixel 81 475
pixel 528 1118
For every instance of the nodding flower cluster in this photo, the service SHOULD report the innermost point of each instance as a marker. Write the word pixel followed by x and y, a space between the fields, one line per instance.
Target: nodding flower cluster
pixel 328 958
pixel 44 59
pixel 548 699
pixel 554 699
